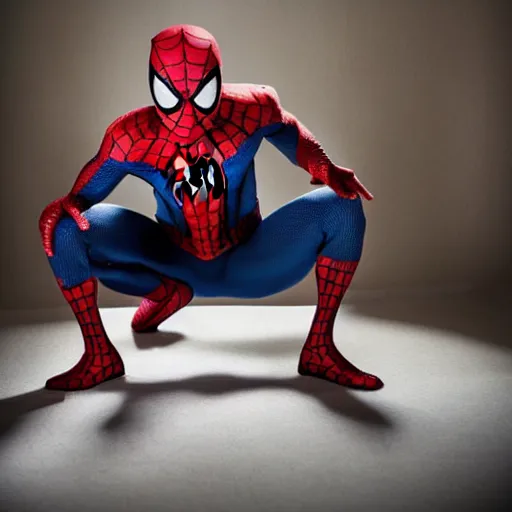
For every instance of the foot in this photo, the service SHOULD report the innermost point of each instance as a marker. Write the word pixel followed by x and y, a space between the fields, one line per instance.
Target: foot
pixel 325 362
pixel 169 298
pixel 91 370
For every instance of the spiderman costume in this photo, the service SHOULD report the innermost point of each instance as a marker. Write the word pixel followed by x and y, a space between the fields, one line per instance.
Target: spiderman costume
pixel 196 148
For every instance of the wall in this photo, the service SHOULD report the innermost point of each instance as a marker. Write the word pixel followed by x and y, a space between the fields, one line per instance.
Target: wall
pixel 414 95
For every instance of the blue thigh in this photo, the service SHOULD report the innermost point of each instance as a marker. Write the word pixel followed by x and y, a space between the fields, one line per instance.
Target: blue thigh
pixel 128 252
pixel 285 246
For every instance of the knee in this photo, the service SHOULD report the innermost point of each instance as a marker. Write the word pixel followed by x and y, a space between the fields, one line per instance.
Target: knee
pixel 52 220
pixel 340 213
pixel 344 225
pixel 69 262
pixel 64 228
pixel 68 234
pixel 350 214
pixel 65 231
pixel 100 213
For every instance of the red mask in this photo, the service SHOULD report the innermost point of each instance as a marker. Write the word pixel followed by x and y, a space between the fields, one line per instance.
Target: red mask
pixel 185 80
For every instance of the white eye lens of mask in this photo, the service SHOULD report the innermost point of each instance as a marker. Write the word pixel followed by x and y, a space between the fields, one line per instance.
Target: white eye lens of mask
pixel 207 95
pixel 163 95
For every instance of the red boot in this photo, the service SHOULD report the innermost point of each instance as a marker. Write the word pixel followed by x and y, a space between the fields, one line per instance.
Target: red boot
pixel 100 361
pixel 160 304
pixel 320 357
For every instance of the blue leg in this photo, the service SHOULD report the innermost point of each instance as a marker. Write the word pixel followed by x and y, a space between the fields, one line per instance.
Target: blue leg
pixel 287 243
pixel 317 227
pixel 111 250
pixel 127 252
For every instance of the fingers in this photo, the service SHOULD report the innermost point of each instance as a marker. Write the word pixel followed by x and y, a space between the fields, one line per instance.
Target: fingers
pixel 47 227
pixel 360 189
pixel 348 185
pixel 51 216
pixel 344 190
pixel 351 191
pixel 80 220
pixel 364 191
pixel 47 240
pixel 76 215
pixel 367 195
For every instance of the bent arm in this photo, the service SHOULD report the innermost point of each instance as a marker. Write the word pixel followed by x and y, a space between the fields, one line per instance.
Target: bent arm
pixel 100 175
pixel 300 146
pixel 95 181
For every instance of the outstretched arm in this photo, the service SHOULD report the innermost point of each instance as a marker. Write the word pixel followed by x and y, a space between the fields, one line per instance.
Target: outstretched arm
pixel 95 181
pixel 300 146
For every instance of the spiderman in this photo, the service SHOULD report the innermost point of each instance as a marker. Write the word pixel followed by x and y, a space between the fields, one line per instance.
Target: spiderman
pixel 196 146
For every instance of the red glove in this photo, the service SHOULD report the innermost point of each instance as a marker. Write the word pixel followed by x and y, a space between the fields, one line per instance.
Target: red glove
pixel 344 182
pixel 54 212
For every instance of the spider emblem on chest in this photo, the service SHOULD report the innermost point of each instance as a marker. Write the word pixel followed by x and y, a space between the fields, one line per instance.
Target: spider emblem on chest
pixel 200 181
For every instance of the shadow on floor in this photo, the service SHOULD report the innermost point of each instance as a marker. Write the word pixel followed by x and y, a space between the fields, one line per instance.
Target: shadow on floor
pixel 345 403
pixel 269 346
pixel 14 409
pixel 158 339
pixel 482 316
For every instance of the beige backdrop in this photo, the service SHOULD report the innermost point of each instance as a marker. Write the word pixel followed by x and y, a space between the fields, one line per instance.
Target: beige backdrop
pixel 414 95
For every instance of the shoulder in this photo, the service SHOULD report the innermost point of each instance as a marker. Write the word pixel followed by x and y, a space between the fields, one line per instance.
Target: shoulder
pixel 244 109
pixel 250 106
pixel 131 133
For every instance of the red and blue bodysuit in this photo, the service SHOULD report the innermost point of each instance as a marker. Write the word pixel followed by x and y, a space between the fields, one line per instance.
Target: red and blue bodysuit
pixel 195 147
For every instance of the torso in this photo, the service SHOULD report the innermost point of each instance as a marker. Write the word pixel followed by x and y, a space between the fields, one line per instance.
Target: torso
pixel 205 192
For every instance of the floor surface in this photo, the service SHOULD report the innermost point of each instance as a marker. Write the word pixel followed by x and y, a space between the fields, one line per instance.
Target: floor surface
pixel 212 415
